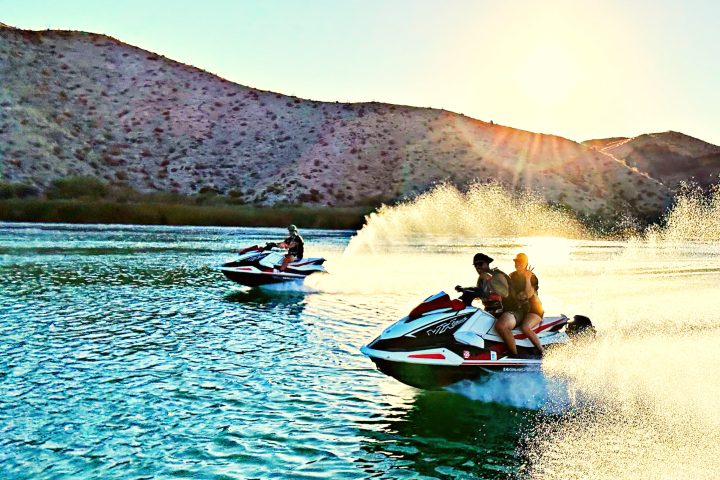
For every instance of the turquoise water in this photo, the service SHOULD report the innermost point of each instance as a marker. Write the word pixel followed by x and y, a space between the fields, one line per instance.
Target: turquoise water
pixel 123 354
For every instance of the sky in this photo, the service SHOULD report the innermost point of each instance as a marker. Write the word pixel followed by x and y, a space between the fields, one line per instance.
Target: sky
pixel 580 69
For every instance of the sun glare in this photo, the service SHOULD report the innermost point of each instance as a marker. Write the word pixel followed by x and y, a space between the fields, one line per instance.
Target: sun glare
pixel 547 75
pixel 548 250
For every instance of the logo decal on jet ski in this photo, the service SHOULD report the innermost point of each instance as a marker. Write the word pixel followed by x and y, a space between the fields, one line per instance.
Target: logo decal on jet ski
pixel 529 368
pixel 446 326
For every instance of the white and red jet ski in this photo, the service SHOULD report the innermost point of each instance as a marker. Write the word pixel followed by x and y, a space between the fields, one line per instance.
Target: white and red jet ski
pixel 442 341
pixel 258 266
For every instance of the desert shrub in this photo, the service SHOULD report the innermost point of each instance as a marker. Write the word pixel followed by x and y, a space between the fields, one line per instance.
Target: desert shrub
pixel 17 190
pixel 77 187
pixel 312 196
pixel 208 189
pixel 274 188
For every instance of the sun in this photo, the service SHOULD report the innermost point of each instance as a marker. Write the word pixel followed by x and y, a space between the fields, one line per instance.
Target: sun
pixel 547 75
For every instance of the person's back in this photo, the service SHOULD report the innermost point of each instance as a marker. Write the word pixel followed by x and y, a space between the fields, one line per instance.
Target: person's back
pixel 297 246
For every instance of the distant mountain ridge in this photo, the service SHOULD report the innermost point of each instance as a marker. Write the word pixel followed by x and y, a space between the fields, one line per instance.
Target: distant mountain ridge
pixel 74 103
pixel 670 157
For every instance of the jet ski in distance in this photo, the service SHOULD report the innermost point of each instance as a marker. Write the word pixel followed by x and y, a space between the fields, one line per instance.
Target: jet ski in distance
pixel 429 349
pixel 259 266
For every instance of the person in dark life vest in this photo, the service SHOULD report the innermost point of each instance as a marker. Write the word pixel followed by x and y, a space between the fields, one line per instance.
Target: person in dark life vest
pixel 295 247
pixel 492 286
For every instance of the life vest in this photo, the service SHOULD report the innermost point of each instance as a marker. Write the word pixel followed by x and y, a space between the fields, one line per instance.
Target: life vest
pixel 492 301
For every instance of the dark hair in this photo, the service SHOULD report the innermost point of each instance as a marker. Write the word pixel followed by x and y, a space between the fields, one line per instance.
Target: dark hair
pixel 481 258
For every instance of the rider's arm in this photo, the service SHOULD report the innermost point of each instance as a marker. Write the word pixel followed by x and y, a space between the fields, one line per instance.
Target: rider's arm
pixel 529 290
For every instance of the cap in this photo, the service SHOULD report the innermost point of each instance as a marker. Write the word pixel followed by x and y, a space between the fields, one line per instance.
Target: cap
pixel 521 256
pixel 292 228
pixel 481 258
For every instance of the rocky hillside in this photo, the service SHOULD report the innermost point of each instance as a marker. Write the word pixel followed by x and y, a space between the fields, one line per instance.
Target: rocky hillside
pixel 74 103
pixel 670 157
pixel 601 143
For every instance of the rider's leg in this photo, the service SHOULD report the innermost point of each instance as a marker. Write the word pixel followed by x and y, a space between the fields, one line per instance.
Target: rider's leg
pixel 503 327
pixel 286 261
pixel 531 321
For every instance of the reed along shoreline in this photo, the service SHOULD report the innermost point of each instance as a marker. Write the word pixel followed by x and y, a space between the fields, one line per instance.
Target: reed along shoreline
pixel 148 213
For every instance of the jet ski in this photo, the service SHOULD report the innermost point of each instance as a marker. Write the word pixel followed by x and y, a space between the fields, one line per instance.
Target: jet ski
pixel 259 266
pixel 443 341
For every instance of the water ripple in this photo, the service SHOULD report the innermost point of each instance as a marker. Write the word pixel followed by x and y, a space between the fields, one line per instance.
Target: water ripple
pixel 125 354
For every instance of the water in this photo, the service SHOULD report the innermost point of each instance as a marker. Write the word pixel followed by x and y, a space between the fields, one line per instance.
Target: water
pixel 123 354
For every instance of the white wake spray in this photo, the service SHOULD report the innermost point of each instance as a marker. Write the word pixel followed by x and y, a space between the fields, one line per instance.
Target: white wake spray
pixel 643 396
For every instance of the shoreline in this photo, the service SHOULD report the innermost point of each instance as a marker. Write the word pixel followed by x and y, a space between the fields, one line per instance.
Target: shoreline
pixel 179 214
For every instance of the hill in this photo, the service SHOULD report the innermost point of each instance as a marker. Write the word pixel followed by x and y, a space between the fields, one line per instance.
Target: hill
pixel 74 103
pixel 670 157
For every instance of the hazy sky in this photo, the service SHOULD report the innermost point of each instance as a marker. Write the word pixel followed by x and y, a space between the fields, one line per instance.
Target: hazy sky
pixel 578 68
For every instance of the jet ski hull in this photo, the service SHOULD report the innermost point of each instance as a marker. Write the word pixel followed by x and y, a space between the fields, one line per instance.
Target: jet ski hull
pixel 428 377
pixel 250 279
pixel 437 368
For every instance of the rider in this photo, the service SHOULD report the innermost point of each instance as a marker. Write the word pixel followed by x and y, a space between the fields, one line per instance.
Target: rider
pixel 295 246
pixel 492 288
pixel 526 310
pixel 525 283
